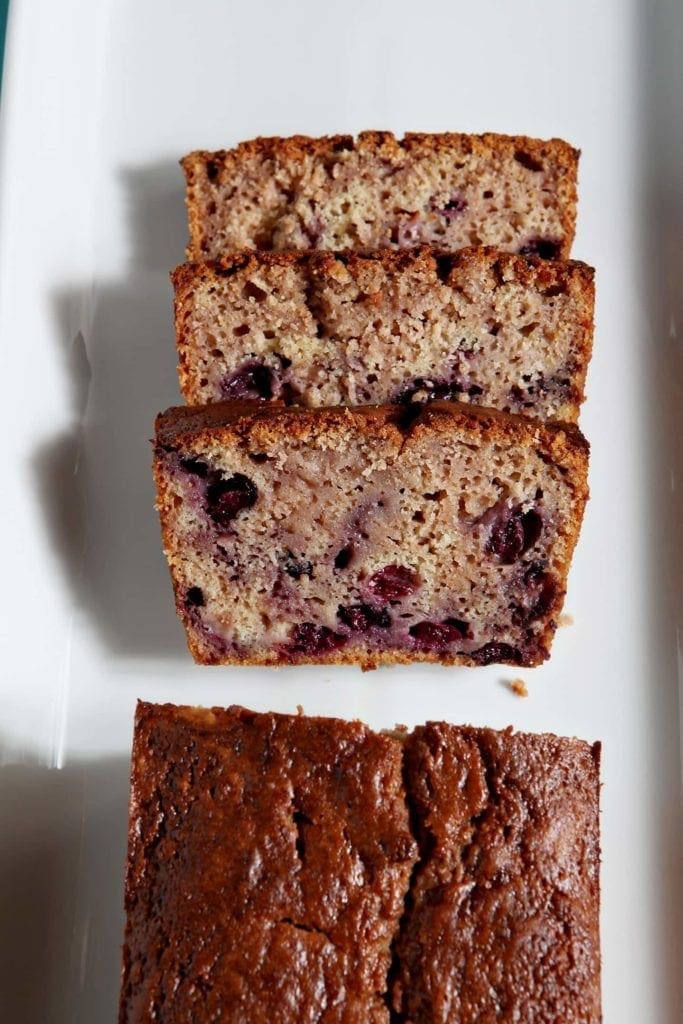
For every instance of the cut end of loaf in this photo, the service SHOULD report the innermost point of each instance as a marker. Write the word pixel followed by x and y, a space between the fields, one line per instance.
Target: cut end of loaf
pixel 317 329
pixel 360 536
pixel 449 190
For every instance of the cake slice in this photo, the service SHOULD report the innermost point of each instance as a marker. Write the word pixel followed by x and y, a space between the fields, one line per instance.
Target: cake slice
pixel 268 861
pixel 448 190
pixel 502 922
pixel 314 328
pixel 371 535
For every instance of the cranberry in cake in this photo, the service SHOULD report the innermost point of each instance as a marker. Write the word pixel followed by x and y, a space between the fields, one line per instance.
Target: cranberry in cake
pixel 447 190
pixel 370 535
pixel 319 328
pixel 268 862
pixel 502 920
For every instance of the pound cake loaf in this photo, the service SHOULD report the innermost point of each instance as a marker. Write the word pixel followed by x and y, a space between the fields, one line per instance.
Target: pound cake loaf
pixel 441 532
pixel 268 861
pixel 273 873
pixel 447 190
pixel 319 328
pixel 503 917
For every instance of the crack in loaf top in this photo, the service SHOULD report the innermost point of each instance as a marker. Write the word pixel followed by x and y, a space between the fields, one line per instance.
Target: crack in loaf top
pixel 449 190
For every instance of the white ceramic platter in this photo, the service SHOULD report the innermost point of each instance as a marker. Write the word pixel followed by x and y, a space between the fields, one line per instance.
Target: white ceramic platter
pixel 99 101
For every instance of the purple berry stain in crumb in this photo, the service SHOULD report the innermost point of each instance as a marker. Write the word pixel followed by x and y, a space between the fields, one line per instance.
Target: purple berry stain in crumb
pixel 557 386
pixel 450 209
pixel 252 380
pixel 195 467
pixel 408 232
pixel 393 582
pixel 513 532
pixel 226 498
pixel 423 389
pixel 546 248
pixel 360 618
pixel 540 587
pixel 309 638
pixel 436 636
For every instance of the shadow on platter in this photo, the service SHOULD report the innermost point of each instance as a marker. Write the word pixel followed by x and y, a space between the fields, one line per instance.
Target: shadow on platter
pixel 62 859
pixel 94 481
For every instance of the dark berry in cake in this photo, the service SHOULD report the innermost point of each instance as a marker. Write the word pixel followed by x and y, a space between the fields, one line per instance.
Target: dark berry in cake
pixel 546 248
pixel 362 617
pixel 253 380
pixel 311 639
pixel 226 498
pixel 393 582
pixel 513 532
pixel 540 595
pixel 494 651
pixel 436 636
pixel 195 597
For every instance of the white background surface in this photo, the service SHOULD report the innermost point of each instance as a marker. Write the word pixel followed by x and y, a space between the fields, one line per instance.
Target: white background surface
pixel 99 101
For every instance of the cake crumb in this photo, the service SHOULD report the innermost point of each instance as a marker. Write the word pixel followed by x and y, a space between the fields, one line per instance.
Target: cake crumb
pixel 565 619
pixel 519 687
pixel 300 709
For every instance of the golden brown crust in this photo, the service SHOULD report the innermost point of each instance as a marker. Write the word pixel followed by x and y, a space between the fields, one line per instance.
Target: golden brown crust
pixel 225 421
pixel 268 861
pixel 503 919
pixel 229 423
pixel 199 165
pixel 488 841
pixel 297 146
pixel 527 269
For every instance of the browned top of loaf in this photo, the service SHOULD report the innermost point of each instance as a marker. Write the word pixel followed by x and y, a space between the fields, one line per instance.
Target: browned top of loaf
pixel 231 421
pixel 386 143
pixel 527 269
pixel 269 856
pixel 502 922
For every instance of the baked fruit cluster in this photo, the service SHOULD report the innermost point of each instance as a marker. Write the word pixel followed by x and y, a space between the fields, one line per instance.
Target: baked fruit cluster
pixel 310 511
pixel 284 868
